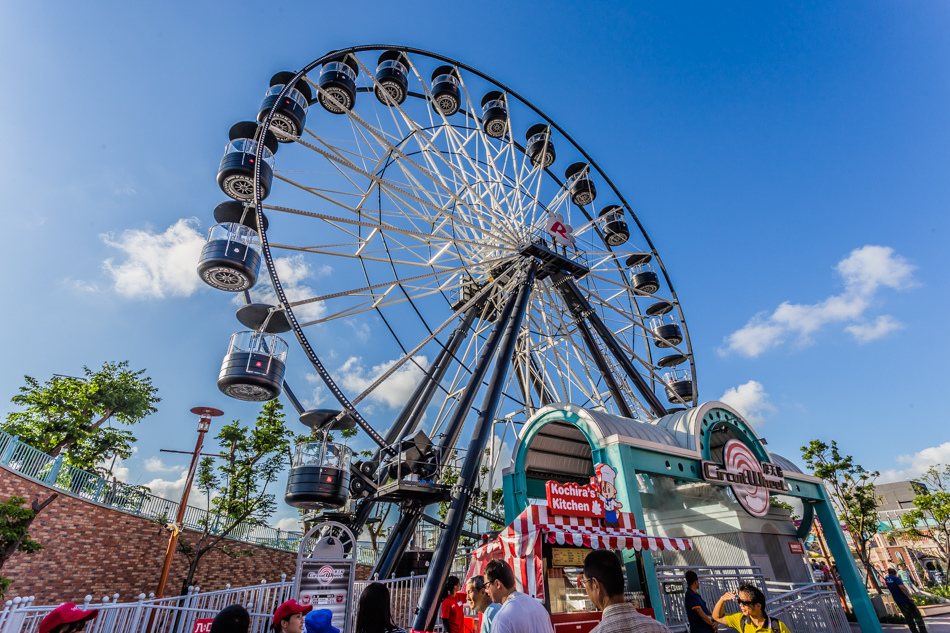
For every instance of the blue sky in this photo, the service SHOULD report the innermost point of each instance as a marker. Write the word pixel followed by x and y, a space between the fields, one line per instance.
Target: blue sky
pixel 789 160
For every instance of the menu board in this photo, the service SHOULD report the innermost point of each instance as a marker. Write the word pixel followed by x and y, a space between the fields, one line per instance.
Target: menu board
pixel 569 556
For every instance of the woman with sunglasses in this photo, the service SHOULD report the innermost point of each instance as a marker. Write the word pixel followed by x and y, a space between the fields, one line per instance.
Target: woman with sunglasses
pixel 752 616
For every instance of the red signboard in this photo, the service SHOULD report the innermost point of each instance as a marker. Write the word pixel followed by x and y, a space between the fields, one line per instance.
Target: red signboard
pixel 202 625
pixel 795 547
pixel 574 500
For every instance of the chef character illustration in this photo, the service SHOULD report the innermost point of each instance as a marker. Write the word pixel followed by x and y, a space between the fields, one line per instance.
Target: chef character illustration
pixel 608 492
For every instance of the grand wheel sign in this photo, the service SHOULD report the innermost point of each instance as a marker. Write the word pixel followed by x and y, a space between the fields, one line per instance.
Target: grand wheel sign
pixel 750 479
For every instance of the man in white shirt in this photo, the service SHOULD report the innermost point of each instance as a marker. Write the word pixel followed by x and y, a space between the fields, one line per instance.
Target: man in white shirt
pixel 481 602
pixel 519 613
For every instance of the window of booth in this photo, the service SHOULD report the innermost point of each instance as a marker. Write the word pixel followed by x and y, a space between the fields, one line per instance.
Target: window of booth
pixel 564 574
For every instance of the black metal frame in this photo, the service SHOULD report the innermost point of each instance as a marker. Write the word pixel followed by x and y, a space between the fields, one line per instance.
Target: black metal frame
pixel 512 317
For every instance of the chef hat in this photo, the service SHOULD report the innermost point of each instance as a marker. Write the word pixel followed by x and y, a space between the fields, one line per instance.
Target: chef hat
pixel 606 474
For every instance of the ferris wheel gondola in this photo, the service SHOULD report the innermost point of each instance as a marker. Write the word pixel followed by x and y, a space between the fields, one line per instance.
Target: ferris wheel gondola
pixel 469 249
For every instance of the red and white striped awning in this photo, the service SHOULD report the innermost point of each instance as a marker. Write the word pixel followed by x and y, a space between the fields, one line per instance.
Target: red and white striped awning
pixel 520 543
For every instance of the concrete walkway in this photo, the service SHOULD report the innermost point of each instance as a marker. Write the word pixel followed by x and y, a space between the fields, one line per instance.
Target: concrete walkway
pixel 936 624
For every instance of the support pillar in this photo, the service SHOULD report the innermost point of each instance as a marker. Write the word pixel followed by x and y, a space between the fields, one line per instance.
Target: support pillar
pixel 847 569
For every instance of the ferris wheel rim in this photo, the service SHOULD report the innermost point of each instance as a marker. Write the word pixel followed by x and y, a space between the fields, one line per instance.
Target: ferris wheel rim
pixel 268 258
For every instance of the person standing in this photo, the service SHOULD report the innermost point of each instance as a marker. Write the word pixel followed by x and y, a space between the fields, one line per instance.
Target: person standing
pixel 66 617
pixel 603 580
pixel 752 616
pixel 480 602
pixel 519 613
pixel 904 602
pixel 374 614
pixel 697 612
pixel 452 611
pixel 288 618
pixel 232 619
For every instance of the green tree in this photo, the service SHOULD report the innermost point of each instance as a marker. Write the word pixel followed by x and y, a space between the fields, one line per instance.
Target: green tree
pixel 931 514
pixel 236 488
pixel 68 416
pixel 15 522
pixel 852 493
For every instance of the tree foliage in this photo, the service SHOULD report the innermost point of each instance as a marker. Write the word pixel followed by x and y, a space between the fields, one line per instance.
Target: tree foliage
pixel 67 416
pixel 852 493
pixel 15 522
pixel 236 487
pixel 931 514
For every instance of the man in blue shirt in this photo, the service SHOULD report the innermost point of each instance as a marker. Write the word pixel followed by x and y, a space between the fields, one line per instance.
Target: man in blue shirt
pixel 697 612
pixel 902 597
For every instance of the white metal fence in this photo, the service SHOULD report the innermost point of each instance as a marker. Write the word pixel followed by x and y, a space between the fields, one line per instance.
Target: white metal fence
pixel 178 614
pixel 804 608
pixel 812 607
pixel 713 582
pixel 166 615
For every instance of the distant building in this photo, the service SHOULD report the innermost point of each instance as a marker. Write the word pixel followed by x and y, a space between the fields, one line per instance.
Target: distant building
pixel 890 548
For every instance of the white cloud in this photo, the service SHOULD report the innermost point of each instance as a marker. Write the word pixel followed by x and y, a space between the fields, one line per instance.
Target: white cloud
pixel 292 272
pixel 750 400
pixel 864 271
pixel 360 329
pixel 867 332
pixel 915 465
pixel 79 285
pixel 289 524
pixel 171 490
pixel 157 264
pixel 394 391
pixel 156 465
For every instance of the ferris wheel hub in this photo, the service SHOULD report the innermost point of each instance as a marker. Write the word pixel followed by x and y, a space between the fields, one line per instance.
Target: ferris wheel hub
pixel 550 262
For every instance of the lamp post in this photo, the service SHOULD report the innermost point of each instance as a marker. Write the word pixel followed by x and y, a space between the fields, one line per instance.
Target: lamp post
pixel 204 423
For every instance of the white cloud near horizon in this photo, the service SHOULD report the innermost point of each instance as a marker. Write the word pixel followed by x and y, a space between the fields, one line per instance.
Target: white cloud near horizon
pixel 156 265
pixel 156 465
pixel 750 400
pixel 864 271
pixel 915 465
pixel 289 524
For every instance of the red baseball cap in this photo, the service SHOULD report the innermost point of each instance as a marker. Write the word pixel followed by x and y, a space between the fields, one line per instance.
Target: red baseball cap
pixel 285 610
pixel 65 613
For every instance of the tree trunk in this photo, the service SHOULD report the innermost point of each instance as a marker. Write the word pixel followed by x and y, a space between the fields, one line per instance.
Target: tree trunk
pixel 37 507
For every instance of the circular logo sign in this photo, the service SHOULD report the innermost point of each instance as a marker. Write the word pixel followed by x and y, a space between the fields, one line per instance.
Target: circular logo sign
pixel 325 575
pixel 737 457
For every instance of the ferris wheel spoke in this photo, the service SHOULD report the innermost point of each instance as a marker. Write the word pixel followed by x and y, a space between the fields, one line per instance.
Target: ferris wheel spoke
pixel 403 161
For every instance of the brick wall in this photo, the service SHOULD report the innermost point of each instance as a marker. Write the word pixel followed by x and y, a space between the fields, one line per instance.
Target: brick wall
pixel 91 549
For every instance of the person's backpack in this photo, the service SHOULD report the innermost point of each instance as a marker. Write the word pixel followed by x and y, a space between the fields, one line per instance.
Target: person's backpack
pixel 773 623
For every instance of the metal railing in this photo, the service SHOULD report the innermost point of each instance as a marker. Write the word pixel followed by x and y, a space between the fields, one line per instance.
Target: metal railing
pixel 811 608
pixel 404 594
pixel 804 608
pixel 178 614
pixel 53 471
pixel 713 582
pixel 166 615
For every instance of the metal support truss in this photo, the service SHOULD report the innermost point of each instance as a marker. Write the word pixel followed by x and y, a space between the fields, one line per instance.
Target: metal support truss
pixel 581 308
pixel 468 475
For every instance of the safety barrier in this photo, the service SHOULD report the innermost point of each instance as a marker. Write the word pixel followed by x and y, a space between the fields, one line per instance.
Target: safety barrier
pixel 812 607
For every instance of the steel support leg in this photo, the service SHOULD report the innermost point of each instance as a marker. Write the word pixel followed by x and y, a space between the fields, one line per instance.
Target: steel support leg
pixel 580 306
pixel 464 490
pixel 415 408
pixel 398 540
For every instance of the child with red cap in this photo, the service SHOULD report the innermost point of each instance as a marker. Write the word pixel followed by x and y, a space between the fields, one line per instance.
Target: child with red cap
pixel 66 618
pixel 288 618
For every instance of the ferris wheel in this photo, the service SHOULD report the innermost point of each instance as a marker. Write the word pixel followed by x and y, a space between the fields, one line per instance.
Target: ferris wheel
pixel 490 256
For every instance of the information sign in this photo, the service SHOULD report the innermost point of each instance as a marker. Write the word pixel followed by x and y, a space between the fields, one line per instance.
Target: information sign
pixel 569 556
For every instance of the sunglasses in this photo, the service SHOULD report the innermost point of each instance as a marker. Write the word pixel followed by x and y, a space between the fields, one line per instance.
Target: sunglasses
pixel 745 603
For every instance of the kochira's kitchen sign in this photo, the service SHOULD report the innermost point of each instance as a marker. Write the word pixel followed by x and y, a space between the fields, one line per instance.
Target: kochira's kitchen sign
pixel 750 479
pixel 597 499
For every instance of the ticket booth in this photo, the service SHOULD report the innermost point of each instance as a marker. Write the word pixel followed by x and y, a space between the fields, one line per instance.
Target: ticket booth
pixel 689 489
pixel 546 545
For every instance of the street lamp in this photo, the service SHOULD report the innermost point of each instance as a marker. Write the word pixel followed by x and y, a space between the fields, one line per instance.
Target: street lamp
pixel 204 424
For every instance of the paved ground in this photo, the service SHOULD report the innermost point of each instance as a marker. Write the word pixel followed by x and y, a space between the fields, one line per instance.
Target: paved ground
pixel 936 624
